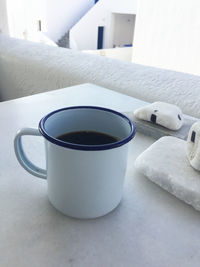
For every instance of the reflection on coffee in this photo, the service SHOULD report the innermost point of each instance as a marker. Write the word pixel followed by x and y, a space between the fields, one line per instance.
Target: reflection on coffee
pixel 87 138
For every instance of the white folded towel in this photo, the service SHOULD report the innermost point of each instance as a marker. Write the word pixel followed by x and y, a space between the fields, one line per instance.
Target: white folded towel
pixel 167 115
pixel 193 146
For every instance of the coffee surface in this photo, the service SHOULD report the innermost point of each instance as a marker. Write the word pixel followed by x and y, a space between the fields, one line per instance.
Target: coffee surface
pixel 87 138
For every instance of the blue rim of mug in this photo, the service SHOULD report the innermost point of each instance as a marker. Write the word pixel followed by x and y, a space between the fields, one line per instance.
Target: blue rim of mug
pixel 87 147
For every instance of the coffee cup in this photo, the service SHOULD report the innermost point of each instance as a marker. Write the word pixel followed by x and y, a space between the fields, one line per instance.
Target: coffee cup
pixel 86 156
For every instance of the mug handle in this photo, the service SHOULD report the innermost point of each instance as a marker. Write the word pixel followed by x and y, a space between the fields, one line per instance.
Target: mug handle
pixel 21 156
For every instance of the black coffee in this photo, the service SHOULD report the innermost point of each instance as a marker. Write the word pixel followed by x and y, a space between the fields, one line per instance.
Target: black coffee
pixel 87 138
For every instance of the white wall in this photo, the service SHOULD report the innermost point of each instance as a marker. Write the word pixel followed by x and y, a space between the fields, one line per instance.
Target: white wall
pixel 23 16
pixel 61 15
pixel 31 73
pixel 57 16
pixel 3 17
pixel 120 6
pixel 167 35
pixel 83 35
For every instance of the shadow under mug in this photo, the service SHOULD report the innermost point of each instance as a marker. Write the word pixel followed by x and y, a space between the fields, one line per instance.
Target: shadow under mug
pixel 84 181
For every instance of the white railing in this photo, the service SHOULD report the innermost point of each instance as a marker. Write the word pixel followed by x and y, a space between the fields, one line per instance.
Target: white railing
pixel 28 68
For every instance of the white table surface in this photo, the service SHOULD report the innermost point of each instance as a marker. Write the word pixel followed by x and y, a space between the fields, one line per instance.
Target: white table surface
pixel 149 228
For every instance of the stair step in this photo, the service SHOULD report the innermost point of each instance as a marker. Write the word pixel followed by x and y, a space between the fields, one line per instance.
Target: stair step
pixel 64 40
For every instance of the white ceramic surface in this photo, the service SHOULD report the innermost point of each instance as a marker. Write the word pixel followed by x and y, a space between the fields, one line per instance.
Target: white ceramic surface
pixel 85 184
pixel 84 181
pixel 150 227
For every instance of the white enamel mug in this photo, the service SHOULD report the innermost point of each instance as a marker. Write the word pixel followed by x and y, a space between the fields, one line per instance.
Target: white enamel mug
pixel 84 181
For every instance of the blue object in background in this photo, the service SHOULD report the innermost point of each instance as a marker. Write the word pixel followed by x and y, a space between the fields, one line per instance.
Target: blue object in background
pixel 100 37
pixel 128 45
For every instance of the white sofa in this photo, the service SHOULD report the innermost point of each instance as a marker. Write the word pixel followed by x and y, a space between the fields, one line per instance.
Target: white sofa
pixel 28 68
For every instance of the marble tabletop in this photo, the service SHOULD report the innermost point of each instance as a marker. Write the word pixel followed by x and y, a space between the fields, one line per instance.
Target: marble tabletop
pixel 149 228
